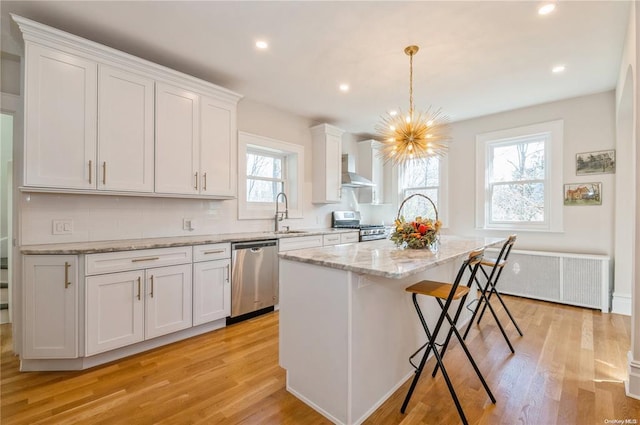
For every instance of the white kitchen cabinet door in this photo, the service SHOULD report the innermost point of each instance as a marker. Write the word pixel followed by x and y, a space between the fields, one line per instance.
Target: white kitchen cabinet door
pixel 211 291
pixel 218 148
pixel 168 306
pixel 350 237
pixel 327 164
pixel 51 307
pixel 177 140
pixel 114 310
pixel 125 131
pixel 372 166
pixel 60 119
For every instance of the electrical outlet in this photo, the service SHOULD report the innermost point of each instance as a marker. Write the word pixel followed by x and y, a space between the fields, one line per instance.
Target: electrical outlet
pixel 62 227
pixel 187 224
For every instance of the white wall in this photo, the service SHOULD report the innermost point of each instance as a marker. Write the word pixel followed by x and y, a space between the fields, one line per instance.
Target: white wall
pixel 589 125
pixel 121 217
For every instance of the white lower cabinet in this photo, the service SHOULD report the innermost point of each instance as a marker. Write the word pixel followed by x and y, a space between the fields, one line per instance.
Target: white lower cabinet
pixel 114 310
pixel 211 282
pixel 51 307
pixel 128 303
pixel 129 307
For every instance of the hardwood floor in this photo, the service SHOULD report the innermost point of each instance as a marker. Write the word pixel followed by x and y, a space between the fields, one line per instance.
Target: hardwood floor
pixel 568 369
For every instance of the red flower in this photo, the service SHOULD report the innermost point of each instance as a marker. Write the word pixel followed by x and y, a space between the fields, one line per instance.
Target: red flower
pixel 422 229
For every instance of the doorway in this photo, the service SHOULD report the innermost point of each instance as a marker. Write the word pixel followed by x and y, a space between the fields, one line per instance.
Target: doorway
pixel 6 216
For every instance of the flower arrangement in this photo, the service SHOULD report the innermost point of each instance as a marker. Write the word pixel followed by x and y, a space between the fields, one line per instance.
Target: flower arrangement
pixel 416 234
pixel 419 233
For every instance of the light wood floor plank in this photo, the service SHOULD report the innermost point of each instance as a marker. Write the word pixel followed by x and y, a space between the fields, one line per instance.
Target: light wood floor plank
pixel 568 369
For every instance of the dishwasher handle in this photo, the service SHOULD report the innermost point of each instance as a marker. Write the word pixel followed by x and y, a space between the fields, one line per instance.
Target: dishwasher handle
pixel 254 245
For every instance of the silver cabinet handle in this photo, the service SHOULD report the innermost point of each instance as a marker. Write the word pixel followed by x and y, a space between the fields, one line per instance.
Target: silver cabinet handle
pixel 196 180
pixel 139 282
pixel 90 171
pixel 104 173
pixel 228 272
pixel 204 183
pixel 215 251
pixel 151 286
pixel 66 275
pixel 136 260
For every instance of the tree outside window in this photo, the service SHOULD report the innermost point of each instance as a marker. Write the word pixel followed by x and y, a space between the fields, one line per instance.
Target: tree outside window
pixel 516 182
pixel 421 176
pixel 265 176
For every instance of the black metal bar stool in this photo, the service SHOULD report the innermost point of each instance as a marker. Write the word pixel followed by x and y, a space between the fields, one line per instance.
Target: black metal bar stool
pixel 447 292
pixel 489 289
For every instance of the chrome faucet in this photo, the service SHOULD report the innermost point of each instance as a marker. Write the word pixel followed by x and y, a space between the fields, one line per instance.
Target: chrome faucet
pixel 281 215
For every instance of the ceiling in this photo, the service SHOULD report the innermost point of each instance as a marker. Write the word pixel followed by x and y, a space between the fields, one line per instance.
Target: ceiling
pixel 476 57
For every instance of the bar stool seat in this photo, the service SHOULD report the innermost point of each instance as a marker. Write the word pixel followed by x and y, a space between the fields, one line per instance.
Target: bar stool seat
pixel 445 294
pixel 437 289
pixel 496 265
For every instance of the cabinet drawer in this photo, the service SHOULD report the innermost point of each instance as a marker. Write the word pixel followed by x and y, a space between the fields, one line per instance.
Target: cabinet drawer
pixel 331 239
pixel 349 237
pixel 216 251
pixel 133 260
pixel 300 242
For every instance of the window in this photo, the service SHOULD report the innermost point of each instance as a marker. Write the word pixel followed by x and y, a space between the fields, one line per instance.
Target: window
pixel 265 175
pixel 268 167
pixel 425 176
pixel 518 170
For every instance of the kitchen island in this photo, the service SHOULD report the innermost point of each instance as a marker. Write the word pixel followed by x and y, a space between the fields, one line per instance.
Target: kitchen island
pixel 347 326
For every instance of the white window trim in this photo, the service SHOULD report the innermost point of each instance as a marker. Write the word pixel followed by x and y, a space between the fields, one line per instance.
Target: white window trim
pixel 443 190
pixel 553 169
pixel 294 171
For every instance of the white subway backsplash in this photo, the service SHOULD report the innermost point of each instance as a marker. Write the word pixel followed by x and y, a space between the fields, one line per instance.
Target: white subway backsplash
pixel 102 217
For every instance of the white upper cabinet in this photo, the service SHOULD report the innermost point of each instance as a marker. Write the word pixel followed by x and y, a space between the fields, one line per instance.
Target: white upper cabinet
pixel 196 143
pixel 60 119
pixel 90 127
pixel 327 164
pixel 125 131
pixel 372 166
pixel 177 140
pixel 218 147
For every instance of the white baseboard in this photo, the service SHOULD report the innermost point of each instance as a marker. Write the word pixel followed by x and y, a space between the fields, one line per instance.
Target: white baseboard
pixel 632 384
pixel 621 304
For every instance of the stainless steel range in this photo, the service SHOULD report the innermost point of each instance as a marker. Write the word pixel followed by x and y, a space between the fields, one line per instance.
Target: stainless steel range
pixel 351 220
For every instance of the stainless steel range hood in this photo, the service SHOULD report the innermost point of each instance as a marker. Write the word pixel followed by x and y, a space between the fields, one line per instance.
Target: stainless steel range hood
pixel 349 177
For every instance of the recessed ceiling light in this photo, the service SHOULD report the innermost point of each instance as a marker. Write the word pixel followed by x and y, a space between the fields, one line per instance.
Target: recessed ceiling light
pixel 261 44
pixel 344 87
pixel 558 69
pixel 546 8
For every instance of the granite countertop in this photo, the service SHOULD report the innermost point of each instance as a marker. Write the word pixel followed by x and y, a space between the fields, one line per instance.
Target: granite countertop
pixel 383 258
pixel 166 242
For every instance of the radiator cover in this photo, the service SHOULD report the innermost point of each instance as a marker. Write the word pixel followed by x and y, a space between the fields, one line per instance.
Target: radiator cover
pixel 576 279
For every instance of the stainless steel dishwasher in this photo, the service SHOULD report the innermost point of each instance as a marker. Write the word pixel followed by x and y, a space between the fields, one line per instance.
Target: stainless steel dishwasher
pixel 254 276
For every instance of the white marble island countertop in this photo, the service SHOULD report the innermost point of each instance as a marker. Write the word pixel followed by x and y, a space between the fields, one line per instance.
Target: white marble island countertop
pixel 166 242
pixel 383 258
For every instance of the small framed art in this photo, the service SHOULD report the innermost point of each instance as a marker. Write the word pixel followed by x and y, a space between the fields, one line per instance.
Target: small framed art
pixel 583 194
pixel 600 162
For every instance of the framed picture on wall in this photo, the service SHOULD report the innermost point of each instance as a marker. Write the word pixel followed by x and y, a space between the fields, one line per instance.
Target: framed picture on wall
pixel 583 194
pixel 599 162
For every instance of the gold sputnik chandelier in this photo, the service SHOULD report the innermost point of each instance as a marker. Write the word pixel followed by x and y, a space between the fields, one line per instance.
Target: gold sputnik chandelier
pixel 415 135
